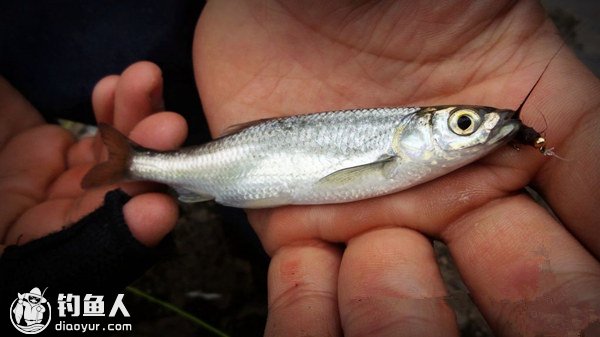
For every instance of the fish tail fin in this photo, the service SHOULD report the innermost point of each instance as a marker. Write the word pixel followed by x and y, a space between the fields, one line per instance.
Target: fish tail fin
pixel 120 151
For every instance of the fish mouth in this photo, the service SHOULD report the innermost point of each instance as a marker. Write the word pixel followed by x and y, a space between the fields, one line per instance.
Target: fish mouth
pixel 509 128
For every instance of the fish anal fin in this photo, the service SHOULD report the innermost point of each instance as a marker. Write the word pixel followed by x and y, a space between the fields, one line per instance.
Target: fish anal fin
pixel 187 196
pixel 354 173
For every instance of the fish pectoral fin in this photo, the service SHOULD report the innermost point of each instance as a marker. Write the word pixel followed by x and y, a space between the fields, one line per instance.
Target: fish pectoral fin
pixel 187 196
pixel 348 175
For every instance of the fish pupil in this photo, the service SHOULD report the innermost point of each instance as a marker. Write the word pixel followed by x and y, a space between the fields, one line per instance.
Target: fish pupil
pixel 463 122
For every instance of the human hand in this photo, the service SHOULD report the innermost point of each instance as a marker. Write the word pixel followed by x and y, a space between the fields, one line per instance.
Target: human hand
pixel 42 165
pixel 367 268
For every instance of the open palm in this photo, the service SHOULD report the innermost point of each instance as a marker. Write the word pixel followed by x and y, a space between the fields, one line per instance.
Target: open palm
pixel 367 268
pixel 42 165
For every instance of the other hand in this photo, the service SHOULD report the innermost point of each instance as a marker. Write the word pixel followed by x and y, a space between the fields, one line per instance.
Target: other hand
pixel 368 268
pixel 42 165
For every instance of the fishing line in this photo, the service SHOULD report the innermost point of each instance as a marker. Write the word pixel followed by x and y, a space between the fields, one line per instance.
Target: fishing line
pixel 528 135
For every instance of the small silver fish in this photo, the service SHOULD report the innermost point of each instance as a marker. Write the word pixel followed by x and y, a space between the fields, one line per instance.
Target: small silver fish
pixel 327 157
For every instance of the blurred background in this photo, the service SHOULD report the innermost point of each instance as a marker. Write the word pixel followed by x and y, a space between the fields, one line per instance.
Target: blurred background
pixel 216 269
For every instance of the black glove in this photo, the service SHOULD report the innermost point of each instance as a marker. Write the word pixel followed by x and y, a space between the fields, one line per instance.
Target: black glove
pixel 97 254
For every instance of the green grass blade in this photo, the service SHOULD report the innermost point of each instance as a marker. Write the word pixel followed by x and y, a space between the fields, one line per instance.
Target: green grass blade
pixel 178 311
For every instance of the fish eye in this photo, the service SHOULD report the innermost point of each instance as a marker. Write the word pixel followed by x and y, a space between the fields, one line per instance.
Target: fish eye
pixel 463 122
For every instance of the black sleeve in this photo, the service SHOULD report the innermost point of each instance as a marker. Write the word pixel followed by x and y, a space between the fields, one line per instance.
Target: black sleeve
pixel 97 254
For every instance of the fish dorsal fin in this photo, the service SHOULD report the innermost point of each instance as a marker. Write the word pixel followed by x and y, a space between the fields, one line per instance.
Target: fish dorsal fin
pixel 235 128
pixel 354 173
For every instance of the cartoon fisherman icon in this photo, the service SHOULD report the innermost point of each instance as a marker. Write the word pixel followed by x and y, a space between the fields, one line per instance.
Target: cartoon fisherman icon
pixel 30 307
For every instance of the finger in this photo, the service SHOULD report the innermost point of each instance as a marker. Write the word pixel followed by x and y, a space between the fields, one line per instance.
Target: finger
pixel 303 291
pixel 138 94
pixel 150 217
pixel 103 99
pixel 161 131
pixel 390 285
pixel 527 274
pixel 572 186
pixel 103 102
pixel 30 162
pixel 30 226
pixel 570 124
pixel 16 113
pixel 82 152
